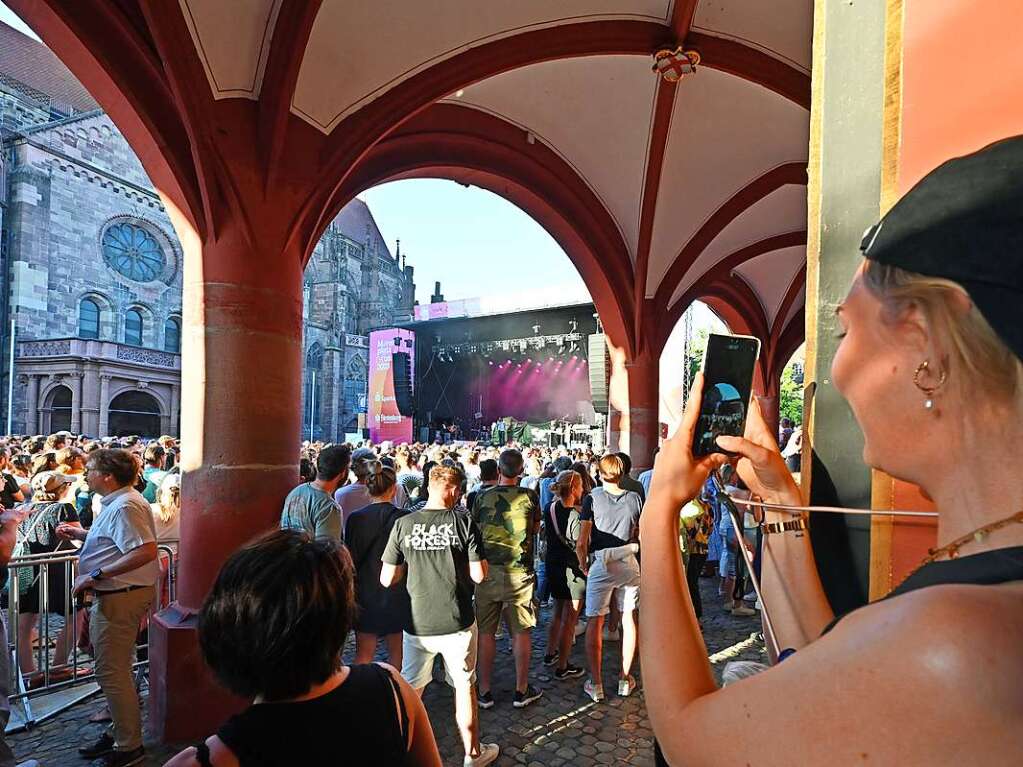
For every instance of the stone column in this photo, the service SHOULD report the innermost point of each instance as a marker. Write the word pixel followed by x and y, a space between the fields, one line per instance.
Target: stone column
pixel 90 401
pixel 241 428
pixel 175 406
pixel 32 405
pixel 104 406
pixel 845 168
pixel 75 381
pixel 632 417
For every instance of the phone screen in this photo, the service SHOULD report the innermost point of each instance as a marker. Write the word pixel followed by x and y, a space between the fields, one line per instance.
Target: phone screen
pixel 727 384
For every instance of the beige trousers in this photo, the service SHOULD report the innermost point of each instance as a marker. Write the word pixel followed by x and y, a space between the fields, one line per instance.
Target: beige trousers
pixel 113 628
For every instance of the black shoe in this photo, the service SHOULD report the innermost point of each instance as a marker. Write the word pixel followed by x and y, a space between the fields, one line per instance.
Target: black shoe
pixel 125 758
pixel 523 699
pixel 101 747
pixel 485 700
pixel 550 660
pixel 568 672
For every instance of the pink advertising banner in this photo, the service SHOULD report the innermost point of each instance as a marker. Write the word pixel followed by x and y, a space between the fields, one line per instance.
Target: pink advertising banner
pixel 382 417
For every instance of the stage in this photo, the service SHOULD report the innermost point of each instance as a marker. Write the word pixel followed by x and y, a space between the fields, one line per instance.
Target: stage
pixel 532 367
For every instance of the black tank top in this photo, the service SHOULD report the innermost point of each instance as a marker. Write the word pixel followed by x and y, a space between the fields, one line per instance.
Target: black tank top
pixel 357 722
pixel 989 568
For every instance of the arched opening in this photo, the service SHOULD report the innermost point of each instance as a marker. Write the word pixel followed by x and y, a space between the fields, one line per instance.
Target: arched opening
pixel 503 319
pixel 134 413
pixel 682 357
pixel 59 406
pixel 133 327
pixel 88 319
pixel 313 394
pixel 172 336
pixel 469 147
pixel 356 376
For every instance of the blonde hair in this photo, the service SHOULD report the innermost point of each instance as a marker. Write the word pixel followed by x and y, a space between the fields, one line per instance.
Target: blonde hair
pixel 446 475
pixel 612 468
pixel 973 348
pixel 169 499
pixel 566 484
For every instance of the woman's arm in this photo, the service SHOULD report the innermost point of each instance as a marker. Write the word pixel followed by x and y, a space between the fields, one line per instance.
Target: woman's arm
pixel 793 593
pixel 670 638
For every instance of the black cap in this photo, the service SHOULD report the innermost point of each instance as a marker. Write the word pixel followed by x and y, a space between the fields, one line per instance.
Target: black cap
pixel 964 222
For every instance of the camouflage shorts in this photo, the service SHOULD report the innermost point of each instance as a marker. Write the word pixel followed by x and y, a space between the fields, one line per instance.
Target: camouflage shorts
pixel 511 592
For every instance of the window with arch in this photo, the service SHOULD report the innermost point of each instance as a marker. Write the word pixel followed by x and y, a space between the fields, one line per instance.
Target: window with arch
pixel 88 319
pixel 172 335
pixel 133 251
pixel 133 327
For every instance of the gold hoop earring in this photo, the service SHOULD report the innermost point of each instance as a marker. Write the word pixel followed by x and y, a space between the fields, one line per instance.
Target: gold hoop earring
pixel 928 390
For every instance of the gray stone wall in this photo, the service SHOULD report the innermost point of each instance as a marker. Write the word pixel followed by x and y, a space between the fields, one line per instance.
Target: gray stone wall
pixel 67 182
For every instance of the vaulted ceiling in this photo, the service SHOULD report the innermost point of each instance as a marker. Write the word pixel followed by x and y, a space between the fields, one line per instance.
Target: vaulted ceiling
pixel 699 186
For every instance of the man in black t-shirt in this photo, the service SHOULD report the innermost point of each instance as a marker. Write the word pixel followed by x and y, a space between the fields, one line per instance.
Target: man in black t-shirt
pixel 441 549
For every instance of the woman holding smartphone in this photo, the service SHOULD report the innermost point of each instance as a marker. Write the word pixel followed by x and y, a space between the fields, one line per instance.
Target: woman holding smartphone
pixel 930 363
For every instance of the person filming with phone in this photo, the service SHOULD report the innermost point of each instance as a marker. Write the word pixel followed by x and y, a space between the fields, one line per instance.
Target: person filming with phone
pixel 930 364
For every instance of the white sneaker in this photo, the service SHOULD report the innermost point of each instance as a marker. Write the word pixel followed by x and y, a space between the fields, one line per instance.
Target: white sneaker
pixel 488 753
pixel 750 596
pixel 595 691
pixel 758 606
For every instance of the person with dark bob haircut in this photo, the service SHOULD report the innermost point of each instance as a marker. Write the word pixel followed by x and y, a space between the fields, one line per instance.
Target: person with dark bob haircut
pixel 272 629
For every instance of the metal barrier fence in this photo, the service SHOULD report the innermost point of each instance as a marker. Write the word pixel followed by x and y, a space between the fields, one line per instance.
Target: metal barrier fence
pixel 46 601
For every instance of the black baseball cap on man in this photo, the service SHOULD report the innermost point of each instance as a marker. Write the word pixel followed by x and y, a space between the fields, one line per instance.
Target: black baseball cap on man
pixel 964 222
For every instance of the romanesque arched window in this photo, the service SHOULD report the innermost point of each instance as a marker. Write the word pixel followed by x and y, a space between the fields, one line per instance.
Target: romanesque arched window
pixel 133 327
pixel 88 319
pixel 172 335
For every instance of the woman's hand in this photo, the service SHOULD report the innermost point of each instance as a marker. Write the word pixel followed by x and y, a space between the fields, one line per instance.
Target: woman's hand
pixel 761 466
pixel 678 475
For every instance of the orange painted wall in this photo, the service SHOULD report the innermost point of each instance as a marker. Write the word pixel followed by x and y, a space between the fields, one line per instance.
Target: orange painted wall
pixel 962 88
pixel 962 80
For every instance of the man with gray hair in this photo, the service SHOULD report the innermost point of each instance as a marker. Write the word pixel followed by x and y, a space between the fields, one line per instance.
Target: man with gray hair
pixel 119 565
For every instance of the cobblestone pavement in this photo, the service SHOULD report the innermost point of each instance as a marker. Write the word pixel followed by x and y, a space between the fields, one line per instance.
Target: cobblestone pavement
pixel 562 728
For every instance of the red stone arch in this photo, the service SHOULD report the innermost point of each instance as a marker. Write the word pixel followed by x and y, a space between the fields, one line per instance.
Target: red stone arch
pixel 472 147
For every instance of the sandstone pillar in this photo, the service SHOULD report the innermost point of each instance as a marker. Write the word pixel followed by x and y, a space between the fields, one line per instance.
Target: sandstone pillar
pixel 633 391
pixel 32 406
pixel 175 410
pixel 241 388
pixel 75 379
pixel 104 406
pixel 90 401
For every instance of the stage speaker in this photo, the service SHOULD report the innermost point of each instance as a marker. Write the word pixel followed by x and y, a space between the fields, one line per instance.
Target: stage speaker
pixel 598 365
pixel 401 365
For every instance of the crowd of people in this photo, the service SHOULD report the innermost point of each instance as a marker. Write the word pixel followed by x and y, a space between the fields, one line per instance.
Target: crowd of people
pixel 442 548
pixel 109 505
pixel 448 546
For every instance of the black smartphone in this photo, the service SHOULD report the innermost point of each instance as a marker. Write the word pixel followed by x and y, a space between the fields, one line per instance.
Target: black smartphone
pixel 728 367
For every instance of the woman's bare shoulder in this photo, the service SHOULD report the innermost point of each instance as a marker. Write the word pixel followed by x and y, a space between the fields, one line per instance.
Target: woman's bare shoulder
pixel 960 634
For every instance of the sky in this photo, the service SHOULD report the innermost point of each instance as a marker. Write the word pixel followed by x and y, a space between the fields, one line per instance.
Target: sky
pixel 7 16
pixel 474 242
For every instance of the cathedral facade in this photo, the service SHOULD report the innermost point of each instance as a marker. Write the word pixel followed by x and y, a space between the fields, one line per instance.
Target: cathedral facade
pixel 92 274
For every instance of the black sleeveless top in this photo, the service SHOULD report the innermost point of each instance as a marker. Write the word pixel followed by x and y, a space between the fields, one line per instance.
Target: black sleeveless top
pixel 989 568
pixel 357 722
